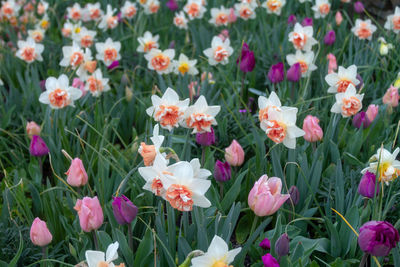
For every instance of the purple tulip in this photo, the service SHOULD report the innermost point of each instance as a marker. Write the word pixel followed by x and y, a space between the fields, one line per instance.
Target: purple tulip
pixel 367 185
pixel 358 77
pixel 361 119
pixel 276 73
pixel 171 45
pixel 113 65
pixel 294 73
pixel 172 5
pixel 358 7
pixel 246 59
pixel 307 22
pixel 265 244
pixel 42 85
pixel 294 195
pixel 222 171
pixel 124 210
pixel 330 38
pixel 269 261
pixel 38 147
pixel 119 16
pixel 378 238
pixel 292 20
pixel 206 138
pixel 282 245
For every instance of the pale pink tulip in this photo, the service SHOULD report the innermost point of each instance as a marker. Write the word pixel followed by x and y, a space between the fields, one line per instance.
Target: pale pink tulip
pixel 338 18
pixel 234 154
pixel 265 197
pixel 77 83
pixel 332 65
pixel 90 213
pixel 313 130
pixel 76 174
pixel 391 97
pixel 371 112
pixel 232 16
pixel 40 234
pixel 32 128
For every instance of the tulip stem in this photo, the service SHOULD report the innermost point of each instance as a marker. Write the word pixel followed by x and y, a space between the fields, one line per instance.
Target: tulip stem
pixel 363 260
pixel 203 155
pixel 130 236
pixel 253 226
pixel 44 255
pixel 96 244
pixel 221 190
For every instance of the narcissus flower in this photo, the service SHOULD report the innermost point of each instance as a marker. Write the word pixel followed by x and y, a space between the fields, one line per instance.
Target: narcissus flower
pixel 219 51
pixel 29 50
pixel 321 8
pixel 200 116
pixel 151 7
pixel 85 37
pixel 340 81
pixel 393 21
pixel 152 174
pixel 264 104
pixel 58 93
pixel 384 46
pixel 93 12
pixel 74 12
pixel 364 29
pixel 36 34
pixel 42 7
pixel 217 255
pixel 96 84
pixel 168 110
pixel 39 233
pixel 147 42
pixel 10 9
pixel 183 65
pixel 90 213
pixel 305 60
pixel 108 51
pixel 194 9
pixel 74 56
pixel 348 103
pixel 160 61
pixel 180 20
pixel 99 258
pixel 219 16
pixel 245 11
pixel 149 152
pixel 389 167
pixel 302 37
pixel 128 10
pixel 274 6
pixel 109 20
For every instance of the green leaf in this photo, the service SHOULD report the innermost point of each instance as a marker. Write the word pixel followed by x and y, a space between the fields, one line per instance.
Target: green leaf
pixel 243 229
pixel 14 261
pixel 144 250
pixel 233 192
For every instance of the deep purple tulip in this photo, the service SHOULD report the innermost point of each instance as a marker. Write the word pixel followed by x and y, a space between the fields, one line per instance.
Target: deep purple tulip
pixel 222 171
pixel 367 185
pixel 172 5
pixel 361 119
pixel 294 73
pixel 119 16
pixel 292 20
pixel 294 195
pixel 38 147
pixel 282 245
pixel 307 22
pixel 358 7
pixel 113 65
pixel 42 85
pixel 246 59
pixel 265 244
pixel 269 261
pixel 358 77
pixel 206 138
pixel 124 210
pixel 378 238
pixel 276 73
pixel 330 38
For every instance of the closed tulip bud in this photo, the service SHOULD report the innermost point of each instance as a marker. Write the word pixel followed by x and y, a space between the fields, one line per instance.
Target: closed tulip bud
pixel 307 22
pixel 76 174
pixel 90 213
pixel 269 261
pixel 338 18
pixel 372 112
pixel 358 7
pixel 124 210
pixel 39 233
pixel 332 63
pixel 77 83
pixel 378 238
pixel 222 171
pixel 360 119
pixel 206 138
pixel 292 20
pixel 294 195
pixel 265 197
pixel 172 5
pixel 265 244
pixel 391 97
pixel 282 245
pixel 38 147
pixel 232 16
pixel 32 129
pixel 294 73
pixel 367 185
pixel 276 73
pixel 234 154
pixel 330 38
pixel 313 131
pixel 246 59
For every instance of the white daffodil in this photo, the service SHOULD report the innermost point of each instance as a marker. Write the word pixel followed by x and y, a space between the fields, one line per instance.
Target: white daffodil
pixel 149 152
pixel 128 10
pixel 58 93
pixel 99 258
pixel 74 12
pixel 74 56
pixel 389 167
pixel 245 10
pixel 252 3
pixel 219 51
pixel 305 60
pixel 183 191
pixel 348 103
pixel 302 37
pixel 85 37
pixel 274 6
pixel 393 21
pixel 93 12
pixel 42 7
pixel 152 174
pixel 364 29
pixel 10 8
pixel 184 65
pixel 321 8
pixel 37 34
pixel 281 126
pixel 194 9
pixel 168 110
pixel 147 42
pixel 217 255
pixel 29 50
pixel 384 46
pixel 108 52
pixel 339 82
pixel 264 104
pixel 96 84
pixel 198 172
pixel 109 20
pixel 180 20
pixel 151 7
pixel 219 16
pixel 160 61
pixel 200 116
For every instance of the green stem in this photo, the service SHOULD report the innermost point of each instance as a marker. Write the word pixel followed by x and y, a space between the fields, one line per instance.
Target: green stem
pixel 221 190
pixel 44 256
pixel 96 244
pixel 253 226
pixel 130 236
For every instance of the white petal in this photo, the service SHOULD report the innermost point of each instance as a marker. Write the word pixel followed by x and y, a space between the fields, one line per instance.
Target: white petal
pixel 111 253
pixel 94 257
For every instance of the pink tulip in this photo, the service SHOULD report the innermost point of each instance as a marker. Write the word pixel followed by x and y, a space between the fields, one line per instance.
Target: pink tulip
pixel 232 16
pixel 391 97
pixel 77 83
pixel 90 213
pixel 32 129
pixel 40 234
pixel 224 35
pixel 265 197
pixel 313 130
pixel 234 154
pixel 338 18
pixel 332 65
pixel 76 174
pixel 371 112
